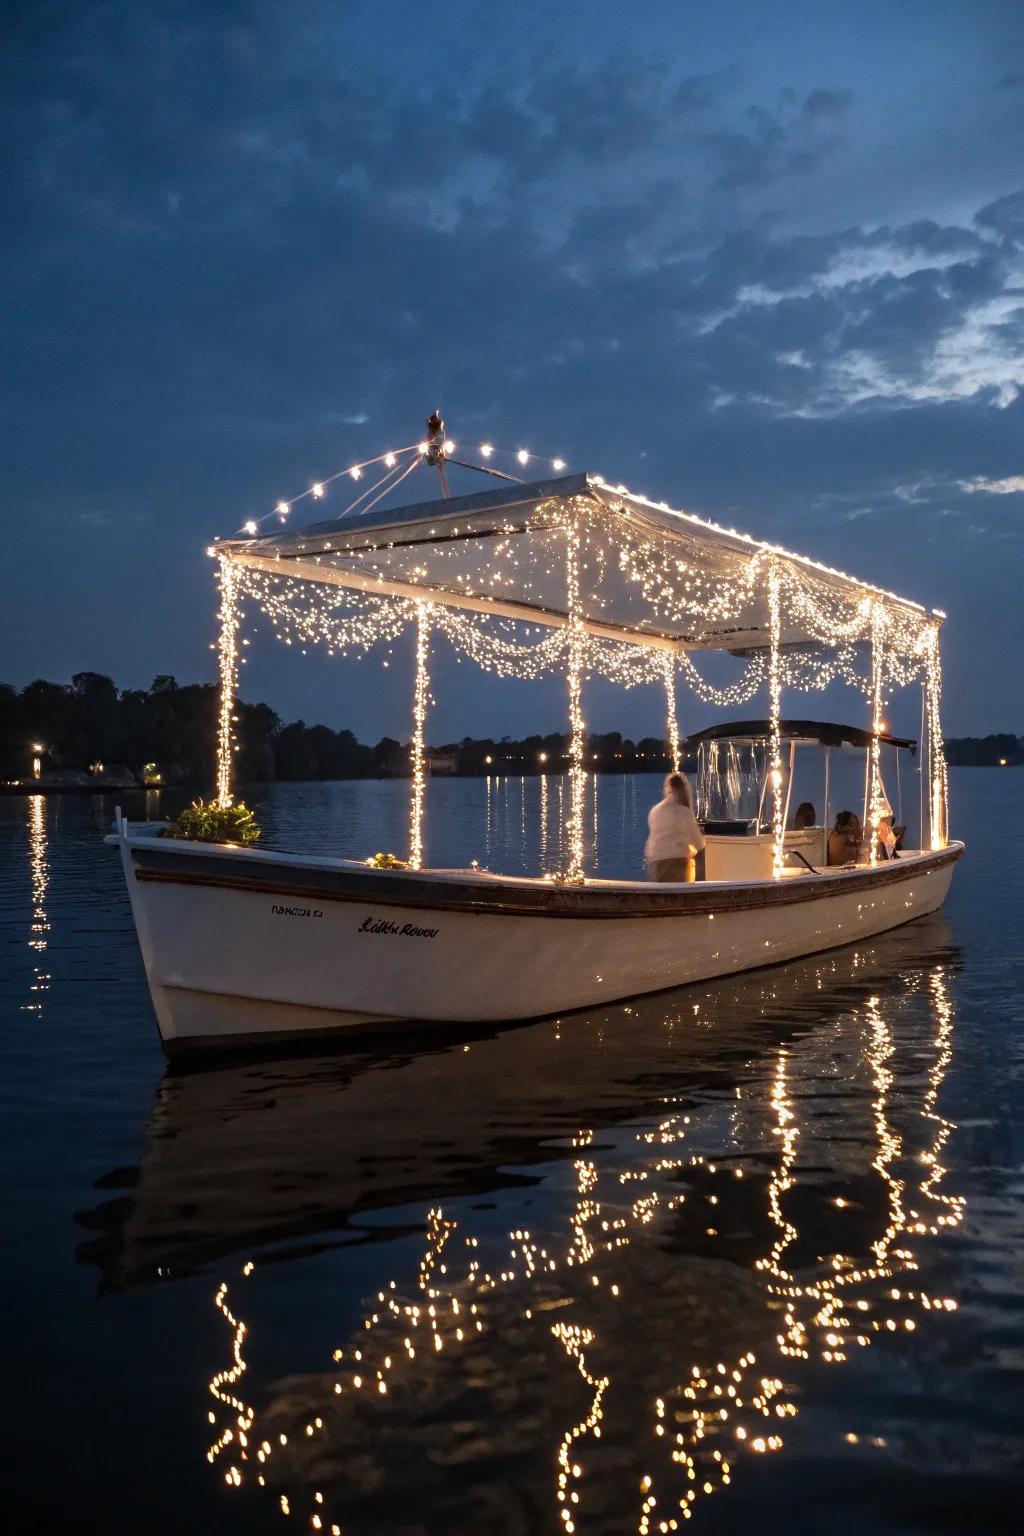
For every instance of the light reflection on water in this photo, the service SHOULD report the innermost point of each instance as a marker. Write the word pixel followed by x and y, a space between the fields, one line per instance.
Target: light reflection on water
pixel 643 1326
pixel 39 927
pixel 770 1156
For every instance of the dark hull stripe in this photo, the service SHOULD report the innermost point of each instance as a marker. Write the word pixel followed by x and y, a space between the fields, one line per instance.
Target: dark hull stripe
pixel 579 903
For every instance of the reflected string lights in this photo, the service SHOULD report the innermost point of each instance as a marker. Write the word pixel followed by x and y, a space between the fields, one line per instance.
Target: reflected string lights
pixel 39 924
pixel 600 1301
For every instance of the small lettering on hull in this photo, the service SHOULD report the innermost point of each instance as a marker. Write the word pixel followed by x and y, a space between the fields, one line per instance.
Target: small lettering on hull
pixel 295 911
pixel 397 930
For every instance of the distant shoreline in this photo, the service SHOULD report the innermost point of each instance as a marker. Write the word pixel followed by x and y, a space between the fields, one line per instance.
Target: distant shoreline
pixel 91 737
pixel 500 771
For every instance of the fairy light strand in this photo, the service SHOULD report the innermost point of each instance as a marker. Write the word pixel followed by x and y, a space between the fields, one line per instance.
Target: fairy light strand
pixel 673 584
pixel 877 807
pixel 227 654
pixel 421 699
pixel 576 660
pixel 671 720
pixel 775 710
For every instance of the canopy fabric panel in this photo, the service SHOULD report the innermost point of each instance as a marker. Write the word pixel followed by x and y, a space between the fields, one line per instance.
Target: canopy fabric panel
pixel 824 732
pixel 648 574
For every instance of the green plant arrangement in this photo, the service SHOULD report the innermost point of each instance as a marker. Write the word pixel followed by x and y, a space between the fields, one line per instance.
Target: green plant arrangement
pixel 204 821
pixel 386 861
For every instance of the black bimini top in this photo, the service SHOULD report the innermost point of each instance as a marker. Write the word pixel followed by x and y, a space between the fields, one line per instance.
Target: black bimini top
pixel 822 733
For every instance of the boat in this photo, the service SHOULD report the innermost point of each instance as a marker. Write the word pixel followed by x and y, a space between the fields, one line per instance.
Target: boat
pixel 566 574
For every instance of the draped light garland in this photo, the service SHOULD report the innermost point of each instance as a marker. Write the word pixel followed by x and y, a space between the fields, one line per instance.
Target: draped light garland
pixel 602 546
pixel 489 642
pixel 343 621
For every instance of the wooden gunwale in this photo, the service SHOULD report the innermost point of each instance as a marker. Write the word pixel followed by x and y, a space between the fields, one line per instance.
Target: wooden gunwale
pixel 543 900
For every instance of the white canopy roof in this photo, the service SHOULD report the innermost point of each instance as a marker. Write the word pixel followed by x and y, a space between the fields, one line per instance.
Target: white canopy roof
pixel 648 573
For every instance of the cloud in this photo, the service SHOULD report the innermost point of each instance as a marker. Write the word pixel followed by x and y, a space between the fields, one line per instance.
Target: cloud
pixel 1009 485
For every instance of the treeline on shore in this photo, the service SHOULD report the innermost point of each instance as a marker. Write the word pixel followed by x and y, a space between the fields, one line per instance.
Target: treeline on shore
pixel 168 731
pixel 1002 751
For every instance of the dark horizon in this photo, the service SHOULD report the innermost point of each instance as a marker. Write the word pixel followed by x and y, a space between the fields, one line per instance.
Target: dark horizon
pixel 91 725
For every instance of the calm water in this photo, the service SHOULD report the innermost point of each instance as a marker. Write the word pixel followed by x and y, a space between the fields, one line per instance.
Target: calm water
pixel 746 1256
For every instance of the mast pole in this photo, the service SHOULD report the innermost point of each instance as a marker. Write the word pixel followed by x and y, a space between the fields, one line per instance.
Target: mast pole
pixel 436 450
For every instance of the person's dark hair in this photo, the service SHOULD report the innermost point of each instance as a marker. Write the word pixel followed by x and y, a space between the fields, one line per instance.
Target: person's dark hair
pixel 844 821
pixel 678 785
pixel 804 816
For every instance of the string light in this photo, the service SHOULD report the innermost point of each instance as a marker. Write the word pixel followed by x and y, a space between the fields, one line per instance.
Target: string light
pixel 227 651
pixel 672 724
pixel 939 778
pixel 688 594
pixel 876 808
pixel 576 659
pixel 774 711
pixel 421 699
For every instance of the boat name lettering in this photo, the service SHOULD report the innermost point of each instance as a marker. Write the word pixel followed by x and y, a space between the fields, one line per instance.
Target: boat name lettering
pixel 296 911
pixel 399 930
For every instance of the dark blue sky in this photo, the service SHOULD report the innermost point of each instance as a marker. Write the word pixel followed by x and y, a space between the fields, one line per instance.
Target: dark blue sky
pixel 765 261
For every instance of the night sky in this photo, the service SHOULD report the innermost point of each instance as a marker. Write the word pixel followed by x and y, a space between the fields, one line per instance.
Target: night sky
pixel 765 261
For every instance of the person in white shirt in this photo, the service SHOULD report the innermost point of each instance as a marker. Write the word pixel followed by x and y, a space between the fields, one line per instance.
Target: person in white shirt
pixel 674 838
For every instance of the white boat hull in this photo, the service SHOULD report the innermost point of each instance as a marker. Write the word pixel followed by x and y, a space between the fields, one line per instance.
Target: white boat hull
pixel 243 947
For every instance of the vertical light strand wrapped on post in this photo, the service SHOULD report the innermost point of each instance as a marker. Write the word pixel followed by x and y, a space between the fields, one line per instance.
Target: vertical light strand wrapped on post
pixel 775 714
pixel 227 655
pixel 577 658
pixel 421 698
pixel 876 807
pixel 938 789
pixel 668 672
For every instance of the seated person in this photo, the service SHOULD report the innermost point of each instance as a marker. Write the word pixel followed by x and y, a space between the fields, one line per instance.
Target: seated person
pixel 804 815
pixel 890 838
pixel 844 839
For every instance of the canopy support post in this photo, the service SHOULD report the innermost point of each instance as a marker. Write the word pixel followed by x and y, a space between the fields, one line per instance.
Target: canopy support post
pixel 775 714
pixel 227 655
pixel 421 698
pixel 668 672
pixel 875 807
pixel 577 658
pixel 939 777
pixel 825 813
pixel 922 776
